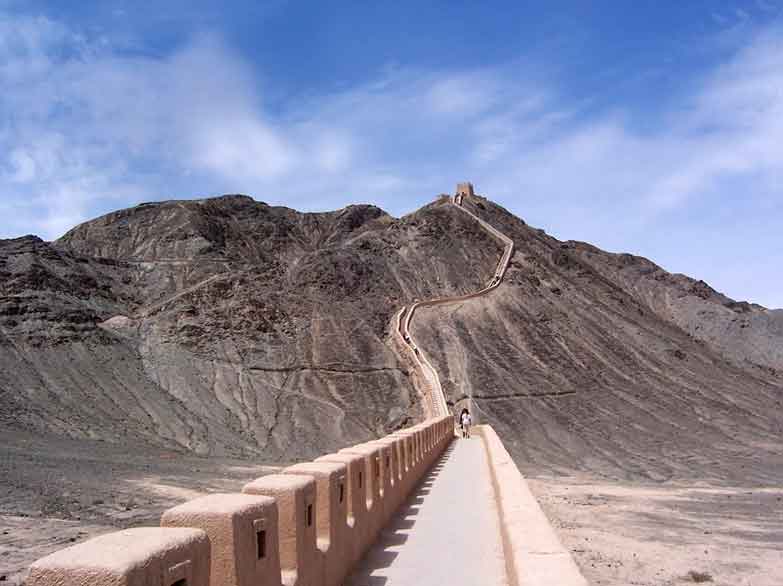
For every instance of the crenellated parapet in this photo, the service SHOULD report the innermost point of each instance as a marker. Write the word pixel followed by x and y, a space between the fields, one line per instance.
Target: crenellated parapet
pixel 307 526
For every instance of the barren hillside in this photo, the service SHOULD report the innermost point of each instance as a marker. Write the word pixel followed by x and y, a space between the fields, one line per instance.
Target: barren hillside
pixel 226 326
pixel 644 407
pixel 604 363
pixel 223 326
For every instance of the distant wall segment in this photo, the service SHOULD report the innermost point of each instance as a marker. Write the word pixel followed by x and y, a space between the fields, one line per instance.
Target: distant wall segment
pixel 428 383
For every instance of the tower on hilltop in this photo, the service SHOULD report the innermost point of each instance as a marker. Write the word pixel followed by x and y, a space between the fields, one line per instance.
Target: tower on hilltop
pixel 463 190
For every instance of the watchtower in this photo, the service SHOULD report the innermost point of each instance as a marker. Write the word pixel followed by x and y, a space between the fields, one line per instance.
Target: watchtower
pixel 465 189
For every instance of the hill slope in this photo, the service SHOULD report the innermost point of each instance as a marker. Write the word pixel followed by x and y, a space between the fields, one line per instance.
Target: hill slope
pixel 226 326
pixel 586 360
pixel 222 326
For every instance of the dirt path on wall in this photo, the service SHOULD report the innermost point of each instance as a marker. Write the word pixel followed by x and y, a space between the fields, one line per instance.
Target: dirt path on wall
pixel 623 533
pixel 55 492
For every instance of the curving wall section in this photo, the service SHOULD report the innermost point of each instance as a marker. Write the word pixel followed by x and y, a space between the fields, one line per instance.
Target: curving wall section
pixel 533 553
pixel 307 526
pixel 432 391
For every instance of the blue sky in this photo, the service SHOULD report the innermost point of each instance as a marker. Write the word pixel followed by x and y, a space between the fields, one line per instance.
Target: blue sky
pixel 649 127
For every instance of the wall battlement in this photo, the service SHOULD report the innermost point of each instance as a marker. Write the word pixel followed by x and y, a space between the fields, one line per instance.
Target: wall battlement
pixel 307 526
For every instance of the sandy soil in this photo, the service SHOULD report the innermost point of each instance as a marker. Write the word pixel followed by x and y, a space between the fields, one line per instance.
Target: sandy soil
pixel 625 534
pixel 54 493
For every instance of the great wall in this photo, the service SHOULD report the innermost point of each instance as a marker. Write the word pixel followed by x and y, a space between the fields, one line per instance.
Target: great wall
pixel 431 389
pixel 313 523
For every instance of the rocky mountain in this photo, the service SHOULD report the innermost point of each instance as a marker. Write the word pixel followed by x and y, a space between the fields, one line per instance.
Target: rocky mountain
pixel 223 326
pixel 226 326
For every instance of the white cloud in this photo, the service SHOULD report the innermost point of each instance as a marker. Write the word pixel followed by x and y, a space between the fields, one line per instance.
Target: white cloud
pixel 732 125
pixel 243 148
pixel 23 166
pixel 464 95
pixel 87 129
pixel 82 122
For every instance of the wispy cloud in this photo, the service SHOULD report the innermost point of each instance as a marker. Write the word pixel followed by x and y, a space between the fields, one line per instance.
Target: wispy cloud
pixel 87 128
pixel 659 186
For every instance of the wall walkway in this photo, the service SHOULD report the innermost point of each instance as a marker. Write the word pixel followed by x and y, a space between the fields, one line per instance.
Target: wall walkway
pixel 532 553
pixel 448 532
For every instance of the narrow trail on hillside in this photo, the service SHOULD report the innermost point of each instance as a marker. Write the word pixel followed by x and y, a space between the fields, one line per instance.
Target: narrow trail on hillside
pixel 161 304
pixel 429 384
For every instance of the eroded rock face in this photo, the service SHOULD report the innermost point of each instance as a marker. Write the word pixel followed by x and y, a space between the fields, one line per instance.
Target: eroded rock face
pixel 227 326
pixel 224 326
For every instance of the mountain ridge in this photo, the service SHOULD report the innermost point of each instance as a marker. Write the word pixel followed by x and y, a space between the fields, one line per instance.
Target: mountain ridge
pixel 228 326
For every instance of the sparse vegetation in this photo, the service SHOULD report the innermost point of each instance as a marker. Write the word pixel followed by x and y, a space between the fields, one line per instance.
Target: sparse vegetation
pixel 699 577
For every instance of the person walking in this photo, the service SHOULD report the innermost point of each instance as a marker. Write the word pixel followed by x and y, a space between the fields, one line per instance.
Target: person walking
pixel 465 420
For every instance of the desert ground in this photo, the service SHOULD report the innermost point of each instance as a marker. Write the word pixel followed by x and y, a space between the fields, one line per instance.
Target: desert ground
pixel 645 534
pixel 56 492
